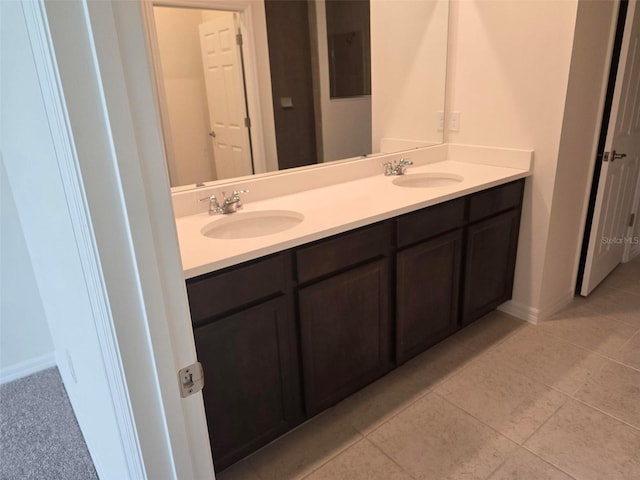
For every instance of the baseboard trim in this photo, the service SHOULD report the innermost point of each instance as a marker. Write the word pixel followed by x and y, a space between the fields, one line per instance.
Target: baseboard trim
pixel 535 315
pixel 26 368
pixel 520 310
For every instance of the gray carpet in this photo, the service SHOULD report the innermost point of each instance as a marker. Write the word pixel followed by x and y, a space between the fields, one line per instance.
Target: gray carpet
pixel 39 434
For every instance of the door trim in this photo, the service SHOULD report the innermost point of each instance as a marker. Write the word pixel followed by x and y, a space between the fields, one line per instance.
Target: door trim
pixel 261 130
pixel 108 125
pixel 71 178
pixel 602 140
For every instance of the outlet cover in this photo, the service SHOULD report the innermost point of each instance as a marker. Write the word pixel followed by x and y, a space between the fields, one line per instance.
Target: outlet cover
pixel 454 122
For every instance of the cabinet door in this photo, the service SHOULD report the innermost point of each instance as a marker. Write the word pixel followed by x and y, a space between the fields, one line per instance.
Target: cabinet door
pixel 251 392
pixel 345 332
pixel 427 294
pixel 489 264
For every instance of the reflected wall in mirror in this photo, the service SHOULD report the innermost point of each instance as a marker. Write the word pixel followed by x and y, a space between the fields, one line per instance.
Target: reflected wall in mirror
pixel 256 86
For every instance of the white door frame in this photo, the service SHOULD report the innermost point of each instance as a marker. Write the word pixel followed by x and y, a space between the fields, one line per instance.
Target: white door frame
pixel 632 246
pixel 108 123
pixel 588 275
pixel 259 110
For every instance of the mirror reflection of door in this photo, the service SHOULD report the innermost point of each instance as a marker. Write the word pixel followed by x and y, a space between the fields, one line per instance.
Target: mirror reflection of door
pixel 324 80
pixel 204 139
pixel 222 64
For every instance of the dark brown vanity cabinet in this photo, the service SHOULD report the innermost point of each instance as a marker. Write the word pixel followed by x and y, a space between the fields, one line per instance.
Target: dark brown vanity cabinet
pixel 428 277
pixel 427 294
pixel 246 340
pixel 491 247
pixel 286 336
pixel 344 314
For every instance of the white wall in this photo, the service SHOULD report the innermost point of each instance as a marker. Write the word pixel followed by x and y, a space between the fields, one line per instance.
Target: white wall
pixel 588 77
pixel 25 341
pixel 190 146
pixel 519 80
pixel 408 70
pixel 509 68
pixel 346 122
pixel 34 178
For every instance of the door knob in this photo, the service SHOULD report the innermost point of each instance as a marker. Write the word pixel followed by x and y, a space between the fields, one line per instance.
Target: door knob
pixel 613 156
pixel 212 134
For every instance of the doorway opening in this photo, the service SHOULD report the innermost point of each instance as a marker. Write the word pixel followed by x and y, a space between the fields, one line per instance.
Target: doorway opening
pixel 608 236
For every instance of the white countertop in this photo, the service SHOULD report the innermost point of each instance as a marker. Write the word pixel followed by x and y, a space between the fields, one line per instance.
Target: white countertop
pixel 330 210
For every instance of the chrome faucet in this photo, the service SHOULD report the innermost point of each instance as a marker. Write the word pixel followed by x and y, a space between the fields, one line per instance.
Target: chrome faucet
pixel 229 204
pixel 397 167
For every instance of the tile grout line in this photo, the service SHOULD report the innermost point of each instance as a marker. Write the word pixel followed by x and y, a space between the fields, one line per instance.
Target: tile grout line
pixel 594 351
pixel 324 461
pixel 477 419
pixel 608 414
pixel 549 462
pixel 390 458
pixel 447 378
pixel 429 391
pixel 524 444
pixel 251 457
pixel 484 355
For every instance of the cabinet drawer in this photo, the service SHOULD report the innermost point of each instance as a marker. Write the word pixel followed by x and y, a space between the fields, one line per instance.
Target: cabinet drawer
pixel 430 222
pixel 217 293
pixel 495 200
pixel 331 255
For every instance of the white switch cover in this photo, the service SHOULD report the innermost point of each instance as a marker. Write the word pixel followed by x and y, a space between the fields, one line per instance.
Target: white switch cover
pixel 286 102
pixel 454 122
pixel 440 119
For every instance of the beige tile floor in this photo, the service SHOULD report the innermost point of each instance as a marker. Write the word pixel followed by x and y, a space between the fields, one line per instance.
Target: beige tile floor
pixel 501 399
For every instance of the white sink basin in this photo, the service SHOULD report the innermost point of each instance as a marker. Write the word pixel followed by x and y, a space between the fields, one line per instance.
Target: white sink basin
pixel 427 180
pixel 252 224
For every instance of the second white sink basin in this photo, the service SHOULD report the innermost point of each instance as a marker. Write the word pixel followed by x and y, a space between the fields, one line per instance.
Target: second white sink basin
pixel 427 180
pixel 252 224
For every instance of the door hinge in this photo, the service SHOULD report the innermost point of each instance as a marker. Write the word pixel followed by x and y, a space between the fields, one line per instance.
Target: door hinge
pixel 239 39
pixel 247 122
pixel 191 379
pixel 632 219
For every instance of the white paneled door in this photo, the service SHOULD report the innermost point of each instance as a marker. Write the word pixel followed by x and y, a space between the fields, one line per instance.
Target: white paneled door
pixel 225 94
pixel 611 232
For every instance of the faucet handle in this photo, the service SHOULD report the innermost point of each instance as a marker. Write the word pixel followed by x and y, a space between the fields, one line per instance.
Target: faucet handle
pixel 210 198
pixel 236 197
pixel 214 206
pixel 402 165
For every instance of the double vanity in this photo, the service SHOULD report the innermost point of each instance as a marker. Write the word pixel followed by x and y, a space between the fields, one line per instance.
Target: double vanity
pixel 300 299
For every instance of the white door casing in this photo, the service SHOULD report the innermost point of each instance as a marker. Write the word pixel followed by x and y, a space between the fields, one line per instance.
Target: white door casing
pixel 632 248
pixel 225 96
pixel 257 73
pixel 610 233
pixel 112 114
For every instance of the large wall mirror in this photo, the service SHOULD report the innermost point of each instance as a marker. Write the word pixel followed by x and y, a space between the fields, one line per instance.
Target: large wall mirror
pixel 255 86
